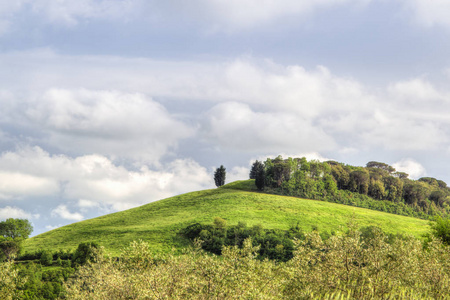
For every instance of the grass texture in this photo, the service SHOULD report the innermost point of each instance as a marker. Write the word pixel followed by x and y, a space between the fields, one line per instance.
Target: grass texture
pixel 159 222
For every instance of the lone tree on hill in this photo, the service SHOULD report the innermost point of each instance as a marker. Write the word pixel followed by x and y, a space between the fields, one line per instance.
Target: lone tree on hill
pixel 219 176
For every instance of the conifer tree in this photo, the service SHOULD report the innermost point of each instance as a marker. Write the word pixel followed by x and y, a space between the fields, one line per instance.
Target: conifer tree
pixel 255 167
pixel 260 175
pixel 219 176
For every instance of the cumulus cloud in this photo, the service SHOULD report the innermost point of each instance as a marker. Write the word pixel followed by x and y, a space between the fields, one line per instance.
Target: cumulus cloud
pixel 95 181
pixel 237 173
pixel 15 185
pixel 105 122
pixel 237 126
pixel 63 212
pixel 15 212
pixel 417 90
pixel 411 167
pixel 247 104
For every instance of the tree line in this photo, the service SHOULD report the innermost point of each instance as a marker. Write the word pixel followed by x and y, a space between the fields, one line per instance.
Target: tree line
pixel 376 186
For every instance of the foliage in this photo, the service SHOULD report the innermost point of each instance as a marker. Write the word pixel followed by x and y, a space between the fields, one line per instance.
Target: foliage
pixel 9 248
pixel 12 233
pixel 363 187
pixel 272 244
pixel 46 258
pixel 10 281
pixel 346 265
pixel 86 252
pixel 219 176
pixel 16 228
pixel 441 230
pixel 257 172
pixel 43 282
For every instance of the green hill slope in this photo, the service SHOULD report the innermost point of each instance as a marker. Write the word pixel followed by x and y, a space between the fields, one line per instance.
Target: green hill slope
pixel 158 222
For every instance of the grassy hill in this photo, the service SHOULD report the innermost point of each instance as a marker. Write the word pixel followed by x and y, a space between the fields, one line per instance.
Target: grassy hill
pixel 158 222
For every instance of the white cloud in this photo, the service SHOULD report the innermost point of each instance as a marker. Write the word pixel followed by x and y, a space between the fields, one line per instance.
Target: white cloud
pixel 411 167
pixel 14 212
pixel 416 90
pixel 84 203
pixel 15 185
pixel 282 108
pixel 63 212
pixel 95 181
pixel 106 122
pixel 430 12
pixel 51 227
pixel 237 173
pixel 236 126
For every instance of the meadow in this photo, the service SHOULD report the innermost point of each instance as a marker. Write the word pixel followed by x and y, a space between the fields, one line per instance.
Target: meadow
pixel 159 222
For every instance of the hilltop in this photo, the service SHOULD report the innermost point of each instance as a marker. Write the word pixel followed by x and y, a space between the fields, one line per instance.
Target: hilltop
pixel 159 222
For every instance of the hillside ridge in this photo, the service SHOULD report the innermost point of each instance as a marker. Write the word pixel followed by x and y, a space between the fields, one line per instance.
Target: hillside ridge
pixel 159 222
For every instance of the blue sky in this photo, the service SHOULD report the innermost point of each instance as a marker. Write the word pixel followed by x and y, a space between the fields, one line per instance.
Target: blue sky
pixel 107 105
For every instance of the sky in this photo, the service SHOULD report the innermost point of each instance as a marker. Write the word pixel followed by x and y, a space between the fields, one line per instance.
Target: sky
pixel 111 104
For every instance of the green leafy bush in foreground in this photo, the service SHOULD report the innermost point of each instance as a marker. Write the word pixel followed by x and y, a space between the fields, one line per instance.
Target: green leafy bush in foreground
pixel 352 265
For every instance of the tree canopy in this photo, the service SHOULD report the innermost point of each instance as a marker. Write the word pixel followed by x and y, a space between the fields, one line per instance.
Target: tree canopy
pixel 16 228
pixel 376 186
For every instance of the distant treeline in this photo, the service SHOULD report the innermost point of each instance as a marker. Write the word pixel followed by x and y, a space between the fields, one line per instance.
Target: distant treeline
pixel 377 186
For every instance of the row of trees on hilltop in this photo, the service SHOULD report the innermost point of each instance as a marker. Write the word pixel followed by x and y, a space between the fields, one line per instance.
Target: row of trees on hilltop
pixel 334 181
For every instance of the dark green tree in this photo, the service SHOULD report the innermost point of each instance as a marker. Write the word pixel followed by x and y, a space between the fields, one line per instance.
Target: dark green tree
pixel 376 189
pixel 359 181
pixel 260 176
pixel 255 167
pixel 341 175
pixel 219 176
pixel 380 165
pixel 85 252
pixel 438 197
pixel 414 193
pixel 394 188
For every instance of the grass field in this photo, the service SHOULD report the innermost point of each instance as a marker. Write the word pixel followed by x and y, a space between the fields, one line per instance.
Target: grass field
pixel 158 222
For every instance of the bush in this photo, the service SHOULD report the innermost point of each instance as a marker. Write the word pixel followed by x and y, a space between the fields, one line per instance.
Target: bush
pixel 46 258
pixel 441 229
pixel 353 265
pixel 86 252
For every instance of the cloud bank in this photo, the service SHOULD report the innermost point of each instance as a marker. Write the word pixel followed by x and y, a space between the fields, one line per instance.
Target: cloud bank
pixel 94 181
